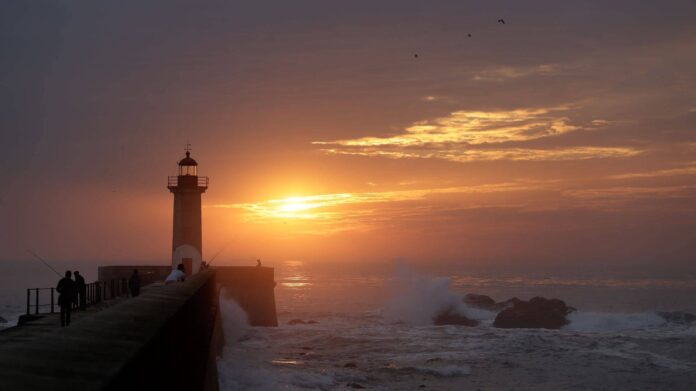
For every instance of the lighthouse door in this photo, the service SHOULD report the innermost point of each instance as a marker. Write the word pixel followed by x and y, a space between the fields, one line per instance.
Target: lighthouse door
pixel 188 265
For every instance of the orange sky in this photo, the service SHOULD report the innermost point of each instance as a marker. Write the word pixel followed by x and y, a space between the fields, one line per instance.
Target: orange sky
pixel 565 136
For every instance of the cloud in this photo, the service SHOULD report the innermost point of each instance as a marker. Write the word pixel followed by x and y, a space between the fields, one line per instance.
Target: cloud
pixel 514 154
pixel 466 136
pixel 688 170
pixel 473 127
pixel 613 198
pixel 329 213
pixel 499 74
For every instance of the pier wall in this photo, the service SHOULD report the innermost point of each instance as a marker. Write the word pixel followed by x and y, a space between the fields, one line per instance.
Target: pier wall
pixel 162 339
pixel 252 287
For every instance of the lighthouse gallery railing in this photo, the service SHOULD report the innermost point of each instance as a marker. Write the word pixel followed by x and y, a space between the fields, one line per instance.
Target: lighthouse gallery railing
pixel 174 181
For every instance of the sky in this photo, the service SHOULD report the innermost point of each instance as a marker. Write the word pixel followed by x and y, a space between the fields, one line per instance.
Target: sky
pixel 351 131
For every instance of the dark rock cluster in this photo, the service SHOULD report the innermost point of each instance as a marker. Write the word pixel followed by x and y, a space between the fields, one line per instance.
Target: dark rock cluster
pixel 678 317
pixel 300 321
pixel 538 312
pixel 487 303
pixel 450 317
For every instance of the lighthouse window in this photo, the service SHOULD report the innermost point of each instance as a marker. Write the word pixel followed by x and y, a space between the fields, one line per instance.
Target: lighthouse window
pixel 187 170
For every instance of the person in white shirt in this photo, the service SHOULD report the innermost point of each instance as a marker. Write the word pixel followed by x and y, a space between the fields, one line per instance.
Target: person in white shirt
pixel 177 275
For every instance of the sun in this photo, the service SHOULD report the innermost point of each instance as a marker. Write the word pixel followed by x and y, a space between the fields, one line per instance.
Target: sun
pixel 295 206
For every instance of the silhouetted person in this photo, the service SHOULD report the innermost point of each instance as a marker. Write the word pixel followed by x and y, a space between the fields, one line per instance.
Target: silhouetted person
pixel 258 263
pixel 81 290
pixel 67 290
pixel 134 283
pixel 97 292
pixel 176 275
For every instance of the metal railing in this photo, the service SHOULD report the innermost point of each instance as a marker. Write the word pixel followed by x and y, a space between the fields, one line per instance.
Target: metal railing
pixel 40 298
pixel 173 181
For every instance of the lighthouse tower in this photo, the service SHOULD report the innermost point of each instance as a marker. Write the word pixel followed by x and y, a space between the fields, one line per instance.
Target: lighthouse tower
pixel 187 188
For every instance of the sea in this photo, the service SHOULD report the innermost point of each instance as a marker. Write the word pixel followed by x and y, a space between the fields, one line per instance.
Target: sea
pixel 369 326
pixel 345 326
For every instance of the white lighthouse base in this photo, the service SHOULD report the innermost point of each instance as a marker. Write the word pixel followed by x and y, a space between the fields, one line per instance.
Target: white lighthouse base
pixel 188 256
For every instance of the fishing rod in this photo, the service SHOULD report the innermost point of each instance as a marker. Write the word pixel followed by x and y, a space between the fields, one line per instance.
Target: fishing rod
pixel 44 262
pixel 220 252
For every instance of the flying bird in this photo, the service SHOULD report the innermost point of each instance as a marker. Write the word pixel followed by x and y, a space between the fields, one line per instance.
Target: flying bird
pixel 468 35
pixel 501 21
pixel 415 55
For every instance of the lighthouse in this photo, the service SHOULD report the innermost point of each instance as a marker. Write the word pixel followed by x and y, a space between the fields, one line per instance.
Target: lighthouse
pixel 187 188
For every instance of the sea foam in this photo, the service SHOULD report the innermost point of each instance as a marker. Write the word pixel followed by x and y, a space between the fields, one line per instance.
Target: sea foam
pixel 613 321
pixel 234 320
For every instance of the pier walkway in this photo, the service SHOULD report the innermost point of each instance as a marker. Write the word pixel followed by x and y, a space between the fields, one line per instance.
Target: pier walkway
pixel 162 339
pixel 45 324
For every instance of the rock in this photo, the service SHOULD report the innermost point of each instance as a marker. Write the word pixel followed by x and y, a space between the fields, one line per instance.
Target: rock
pixel 450 317
pixel 3 320
pixel 483 302
pixel 350 365
pixel 678 317
pixel 355 385
pixel 511 302
pixel 538 312
pixel 300 321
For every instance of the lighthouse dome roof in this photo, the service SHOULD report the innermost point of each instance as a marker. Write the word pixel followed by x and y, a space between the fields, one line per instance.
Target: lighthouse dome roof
pixel 188 160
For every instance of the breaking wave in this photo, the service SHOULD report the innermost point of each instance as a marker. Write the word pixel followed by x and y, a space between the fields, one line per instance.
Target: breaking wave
pixel 416 299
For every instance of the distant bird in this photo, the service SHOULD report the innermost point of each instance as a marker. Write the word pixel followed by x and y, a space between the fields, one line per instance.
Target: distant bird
pixel 468 35
pixel 501 21
pixel 415 55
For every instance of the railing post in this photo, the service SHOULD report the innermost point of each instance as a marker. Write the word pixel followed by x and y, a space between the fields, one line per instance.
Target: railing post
pixel 52 310
pixel 37 301
pixel 28 301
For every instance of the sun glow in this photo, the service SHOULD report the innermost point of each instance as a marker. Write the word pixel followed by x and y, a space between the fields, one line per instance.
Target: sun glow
pixel 300 207
pixel 294 207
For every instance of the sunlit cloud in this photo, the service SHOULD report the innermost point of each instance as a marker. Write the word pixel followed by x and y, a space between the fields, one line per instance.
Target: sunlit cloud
pixel 339 207
pixel 688 170
pixel 514 154
pixel 466 136
pixel 622 196
pixel 499 74
pixel 473 127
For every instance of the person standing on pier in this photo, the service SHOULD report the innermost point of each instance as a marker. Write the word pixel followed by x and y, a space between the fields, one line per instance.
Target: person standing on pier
pixel 81 290
pixel 67 290
pixel 134 283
